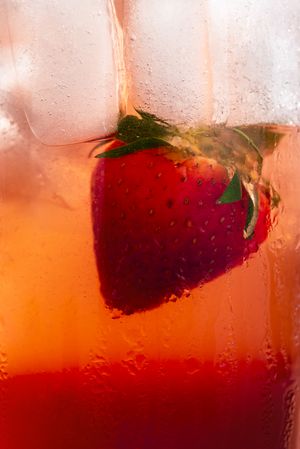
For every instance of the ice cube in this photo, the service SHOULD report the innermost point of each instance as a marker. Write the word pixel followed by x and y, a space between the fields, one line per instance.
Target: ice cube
pixel 4 33
pixel 65 54
pixel 13 125
pixel 7 70
pixel 255 54
pixel 167 59
pixel 210 61
pixel 10 132
pixel 18 167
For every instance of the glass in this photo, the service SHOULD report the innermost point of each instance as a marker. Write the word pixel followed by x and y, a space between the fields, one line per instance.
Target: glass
pixel 192 338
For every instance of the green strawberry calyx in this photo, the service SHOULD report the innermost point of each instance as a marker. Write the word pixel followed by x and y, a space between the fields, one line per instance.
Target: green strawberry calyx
pixel 240 150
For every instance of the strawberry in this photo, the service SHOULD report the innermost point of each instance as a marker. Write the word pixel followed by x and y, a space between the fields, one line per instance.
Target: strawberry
pixel 160 230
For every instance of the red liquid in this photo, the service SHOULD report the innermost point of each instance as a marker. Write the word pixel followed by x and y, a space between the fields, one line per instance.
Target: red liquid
pixel 161 405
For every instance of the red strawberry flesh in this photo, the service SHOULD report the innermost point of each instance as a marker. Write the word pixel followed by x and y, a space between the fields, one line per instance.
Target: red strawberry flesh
pixel 159 230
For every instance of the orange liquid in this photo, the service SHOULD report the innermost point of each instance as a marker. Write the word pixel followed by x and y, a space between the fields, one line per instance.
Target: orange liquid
pixel 213 370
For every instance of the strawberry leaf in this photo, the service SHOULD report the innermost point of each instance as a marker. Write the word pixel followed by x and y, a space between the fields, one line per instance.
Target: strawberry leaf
pixel 133 147
pixel 132 128
pixel 151 117
pixel 233 191
pixel 102 143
